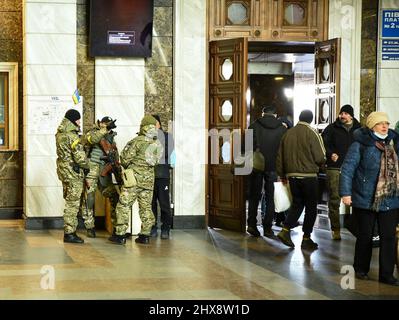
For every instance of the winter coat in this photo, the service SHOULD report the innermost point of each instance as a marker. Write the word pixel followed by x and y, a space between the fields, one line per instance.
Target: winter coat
pixel 70 152
pixel 301 152
pixel 361 169
pixel 338 140
pixel 267 133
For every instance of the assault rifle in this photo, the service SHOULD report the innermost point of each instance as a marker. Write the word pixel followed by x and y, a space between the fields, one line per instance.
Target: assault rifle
pixel 111 159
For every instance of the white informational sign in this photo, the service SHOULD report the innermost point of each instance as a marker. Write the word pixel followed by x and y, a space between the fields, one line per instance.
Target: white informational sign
pixel 45 113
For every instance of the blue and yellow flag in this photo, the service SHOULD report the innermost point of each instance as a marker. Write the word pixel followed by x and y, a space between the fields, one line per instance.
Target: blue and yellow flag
pixel 76 97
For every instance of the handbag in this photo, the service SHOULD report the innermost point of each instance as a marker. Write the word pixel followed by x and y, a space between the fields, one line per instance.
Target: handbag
pixel 129 180
pixel 282 197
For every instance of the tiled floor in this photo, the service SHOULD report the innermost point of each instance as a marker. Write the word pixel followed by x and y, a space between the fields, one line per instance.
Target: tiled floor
pixel 193 264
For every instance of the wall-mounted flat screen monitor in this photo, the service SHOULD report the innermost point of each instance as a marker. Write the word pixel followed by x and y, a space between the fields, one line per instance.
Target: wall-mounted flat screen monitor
pixel 121 28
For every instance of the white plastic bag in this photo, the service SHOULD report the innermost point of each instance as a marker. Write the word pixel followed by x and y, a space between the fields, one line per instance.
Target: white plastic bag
pixel 282 197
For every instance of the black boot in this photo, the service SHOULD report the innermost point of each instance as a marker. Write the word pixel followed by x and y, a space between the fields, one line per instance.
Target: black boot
pixel 143 239
pixel 118 239
pixel 165 234
pixel 91 233
pixel 72 238
pixel 154 231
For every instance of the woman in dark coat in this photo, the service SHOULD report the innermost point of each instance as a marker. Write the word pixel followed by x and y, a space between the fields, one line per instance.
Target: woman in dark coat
pixel 370 183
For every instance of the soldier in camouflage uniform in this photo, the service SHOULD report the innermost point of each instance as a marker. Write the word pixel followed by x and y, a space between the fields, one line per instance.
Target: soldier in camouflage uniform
pixel 101 135
pixel 71 163
pixel 140 154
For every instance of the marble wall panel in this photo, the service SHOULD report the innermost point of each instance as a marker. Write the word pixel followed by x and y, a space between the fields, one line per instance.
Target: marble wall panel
pixel 56 80
pixel 390 106
pixel 50 17
pixel 127 110
pixel 368 97
pixel 162 105
pixel 11 50
pixel 119 80
pixel 159 81
pixel 82 20
pixel 11 193
pixel 10 5
pixel 163 22
pixel 86 80
pixel 40 145
pixel 88 112
pixel 388 83
pixel 10 166
pixel 11 25
pixel 163 3
pixel 83 57
pixel 44 202
pixel 41 171
pixel 52 49
pixel 190 106
pixel 162 52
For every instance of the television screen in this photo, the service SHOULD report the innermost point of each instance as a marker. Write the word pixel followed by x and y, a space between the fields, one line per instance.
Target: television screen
pixel 121 28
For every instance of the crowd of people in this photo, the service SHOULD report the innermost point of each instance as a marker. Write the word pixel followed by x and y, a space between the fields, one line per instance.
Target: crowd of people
pixel 362 170
pixel 361 165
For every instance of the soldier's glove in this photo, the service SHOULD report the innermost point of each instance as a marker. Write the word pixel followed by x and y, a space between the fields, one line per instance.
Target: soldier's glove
pixel 111 125
pixel 86 171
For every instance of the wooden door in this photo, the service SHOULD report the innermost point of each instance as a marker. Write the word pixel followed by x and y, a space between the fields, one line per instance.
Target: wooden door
pixel 327 81
pixel 227 112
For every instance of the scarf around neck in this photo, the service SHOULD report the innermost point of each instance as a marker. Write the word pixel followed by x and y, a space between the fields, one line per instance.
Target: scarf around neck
pixel 388 179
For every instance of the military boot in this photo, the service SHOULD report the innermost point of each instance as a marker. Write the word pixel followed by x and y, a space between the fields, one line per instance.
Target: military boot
pixel 91 233
pixel 72 238
pixel 118 239
pixel 143 239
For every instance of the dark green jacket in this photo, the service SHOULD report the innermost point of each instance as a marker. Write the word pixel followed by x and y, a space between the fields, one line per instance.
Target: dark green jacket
pixel 301 152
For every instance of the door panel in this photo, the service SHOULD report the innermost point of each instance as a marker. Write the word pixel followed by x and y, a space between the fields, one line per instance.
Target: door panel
pixel 227 88
pixel 327 81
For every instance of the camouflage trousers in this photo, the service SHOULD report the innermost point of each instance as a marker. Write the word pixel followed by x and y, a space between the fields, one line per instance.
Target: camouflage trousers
pixel 72 192
pixel 88 199
pixel 126 199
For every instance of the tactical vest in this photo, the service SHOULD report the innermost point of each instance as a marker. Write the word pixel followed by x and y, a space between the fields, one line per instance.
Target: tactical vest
pixel 96 154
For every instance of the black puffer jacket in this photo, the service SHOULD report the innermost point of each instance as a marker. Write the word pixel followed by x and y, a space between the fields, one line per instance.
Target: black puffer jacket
pixel 267 135
pixel 338 140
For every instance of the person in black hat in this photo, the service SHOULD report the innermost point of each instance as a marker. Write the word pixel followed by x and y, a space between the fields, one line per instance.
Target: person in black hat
pixel 162 183
pixel 71 163
pixel 337 137
pixel 300 156
pixel 104 164
pixel 267 133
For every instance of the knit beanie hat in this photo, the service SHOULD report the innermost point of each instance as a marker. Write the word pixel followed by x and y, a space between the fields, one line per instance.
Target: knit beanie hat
pixel 72 115
pixel 376 117
pixel 148 120
pixel 306 116
pixel 348 109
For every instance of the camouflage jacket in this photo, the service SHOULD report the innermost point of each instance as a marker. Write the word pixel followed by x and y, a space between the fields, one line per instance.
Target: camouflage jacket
pixel 69 151
pixel 91 141
pixel 142 154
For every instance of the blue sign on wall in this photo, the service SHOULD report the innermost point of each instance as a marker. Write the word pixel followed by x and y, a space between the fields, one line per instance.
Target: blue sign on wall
pixel 390 23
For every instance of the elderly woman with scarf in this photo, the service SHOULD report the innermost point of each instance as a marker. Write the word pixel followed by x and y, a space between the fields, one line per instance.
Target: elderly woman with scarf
pixel 370 183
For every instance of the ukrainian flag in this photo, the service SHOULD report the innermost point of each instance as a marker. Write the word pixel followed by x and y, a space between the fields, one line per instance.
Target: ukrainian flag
pixel 76 97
